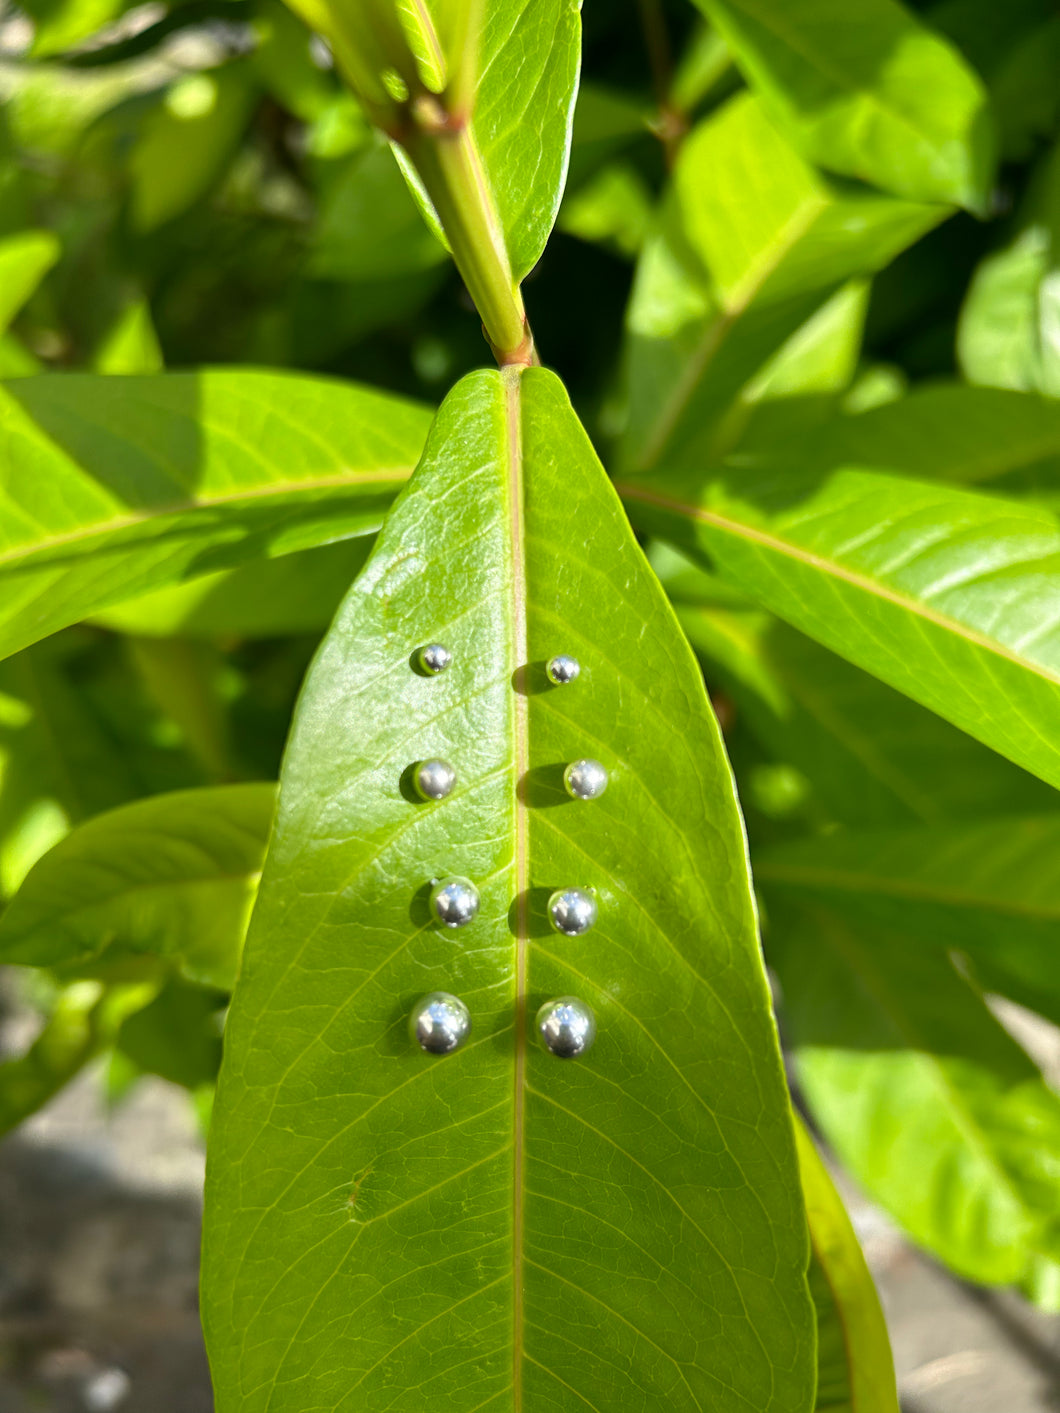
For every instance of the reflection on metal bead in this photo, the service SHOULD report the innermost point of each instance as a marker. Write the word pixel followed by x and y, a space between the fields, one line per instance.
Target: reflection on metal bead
pixel 566 1027
pixel 585 779
pixel 562 669
pixel 434 658
pixel 572 911
pixel 439 1023
pixel 434 779
pixel 454 901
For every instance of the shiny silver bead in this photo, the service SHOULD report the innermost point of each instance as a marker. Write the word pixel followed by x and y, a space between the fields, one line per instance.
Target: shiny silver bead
pixel 440 1023
pixel 434 779
pixel 562 669
pixel 572 911
pixel 434 658
pixel 566 1027
pixel 585 779
pixel 454 901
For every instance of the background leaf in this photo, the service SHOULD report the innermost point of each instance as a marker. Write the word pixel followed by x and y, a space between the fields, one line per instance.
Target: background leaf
pixel 924 1098
pixel 24 261
pixel 752 242
pixel 870 93
pixel 170 878
pixel 117 486
pixel 855 1371
pixel 944 594
pixel 485 1184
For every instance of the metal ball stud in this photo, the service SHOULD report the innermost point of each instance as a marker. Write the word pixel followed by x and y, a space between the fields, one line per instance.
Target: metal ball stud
pixel 585 779
pixel 572 911
pixel 434 658
pixel 566 1027
pixel 440 1023
pixel 562 669
pixel 454 901
pixel 434 779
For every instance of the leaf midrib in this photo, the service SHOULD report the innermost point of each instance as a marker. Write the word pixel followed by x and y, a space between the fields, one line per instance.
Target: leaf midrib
pixel 516 523
pixel 852 577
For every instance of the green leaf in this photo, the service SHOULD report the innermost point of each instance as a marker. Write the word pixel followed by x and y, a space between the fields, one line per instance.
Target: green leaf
pixel 115 486
pixel 991 889
pixel 855 1371
pixel 176 1036
pixel 924 1098
pixel 1009 330
pixel 871 756
pixel 623 1230
pixel 523 113
pixel 263 599
pixel 869 93
pixel 85 1019
pixel 171 877
pixel 24 261
pixel 187 142
pixel 752 242
pixel 945 594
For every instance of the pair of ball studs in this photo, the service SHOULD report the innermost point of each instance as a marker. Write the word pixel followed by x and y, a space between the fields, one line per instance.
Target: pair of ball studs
pixel 454 902
pixel 565 1027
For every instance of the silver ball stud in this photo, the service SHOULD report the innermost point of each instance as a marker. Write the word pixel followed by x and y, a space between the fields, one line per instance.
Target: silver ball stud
pixel 434 779
pixel 454 901
pixel 434 658
pixel 566 1027
pixel 572 911
pixel 585 779
pixel 562 669
pixel 439 1023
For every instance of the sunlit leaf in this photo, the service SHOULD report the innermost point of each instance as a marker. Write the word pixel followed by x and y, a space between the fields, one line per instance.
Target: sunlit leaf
pixel 113 487
pixel 869 92
pixel 24 261
pixel 172 877
pixel 855 1371
pixel 383 1225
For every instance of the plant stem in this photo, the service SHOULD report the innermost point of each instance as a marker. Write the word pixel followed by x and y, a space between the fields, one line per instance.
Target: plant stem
pixel 443 151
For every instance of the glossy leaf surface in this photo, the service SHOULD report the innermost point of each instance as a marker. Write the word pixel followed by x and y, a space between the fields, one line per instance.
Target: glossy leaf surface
pixel 114 486
pixel 501 1228
pixel 170 877
pixel 923 1096
pixel 870 92
pixel 752 242
pixel 947 595
pixel 855 1370
pixel 990 889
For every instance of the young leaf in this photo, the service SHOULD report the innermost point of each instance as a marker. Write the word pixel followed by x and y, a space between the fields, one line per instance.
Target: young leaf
pixel 499 1227
pixel 869 93
pixel 855 1370
pixel 991 889
pixel 172 877
pixel 111 487
pixel 925 1099
pixel 947 595
pixel 752 242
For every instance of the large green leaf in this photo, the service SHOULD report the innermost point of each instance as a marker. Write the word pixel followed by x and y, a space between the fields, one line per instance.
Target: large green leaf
pixel 499 1227
pixel 110 487
pixel 871 756
pixel 171 877
pixel 945 594
pixel 752 241
pixel 923 1096
pixel 855 1371
pixel 991 889
pixel 869 92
